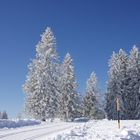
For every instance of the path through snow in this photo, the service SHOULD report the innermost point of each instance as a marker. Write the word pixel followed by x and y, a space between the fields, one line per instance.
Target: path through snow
pixel 36 132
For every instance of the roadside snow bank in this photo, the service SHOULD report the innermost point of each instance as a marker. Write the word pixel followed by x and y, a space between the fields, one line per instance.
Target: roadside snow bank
pixel 17 123
pixel 103 130
pixel 131 133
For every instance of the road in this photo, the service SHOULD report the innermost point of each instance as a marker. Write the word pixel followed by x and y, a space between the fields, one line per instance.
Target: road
pixel 38 132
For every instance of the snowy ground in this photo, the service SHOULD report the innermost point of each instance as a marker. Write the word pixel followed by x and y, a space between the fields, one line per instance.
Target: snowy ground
pixel 103 130
pixel 92 130
pixel 36 132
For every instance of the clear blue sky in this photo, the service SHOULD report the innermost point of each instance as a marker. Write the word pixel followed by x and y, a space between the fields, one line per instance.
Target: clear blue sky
pixel 88 29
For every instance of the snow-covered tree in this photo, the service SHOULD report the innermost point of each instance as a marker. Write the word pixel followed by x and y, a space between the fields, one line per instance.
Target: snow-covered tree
pixel 117 84
pixel 4 115
pixel 91 100
pixel 124 83
pixel 80 105
pixel 132 99
pixel 68 97
pixel 41 85
pixel 138 104
pixel 0 115
pixel 112 88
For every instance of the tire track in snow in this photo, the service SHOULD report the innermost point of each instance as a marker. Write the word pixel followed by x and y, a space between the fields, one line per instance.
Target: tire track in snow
pixel 48 133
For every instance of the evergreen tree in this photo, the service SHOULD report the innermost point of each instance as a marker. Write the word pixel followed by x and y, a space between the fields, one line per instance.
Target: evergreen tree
pixel 112 88
pixel 0 115
pixel 117 84
pixel 68 96
pixel 122 84
pixel 91 100
pixel 138 104
pixel 132 99
pixel 41 85
pixel 4 115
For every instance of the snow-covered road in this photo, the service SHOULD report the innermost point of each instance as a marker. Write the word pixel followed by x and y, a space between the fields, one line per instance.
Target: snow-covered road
pixel 36 132
pixel 92 130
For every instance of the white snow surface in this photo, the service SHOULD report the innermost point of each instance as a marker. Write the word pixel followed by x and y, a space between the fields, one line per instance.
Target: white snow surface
pixel 104 130
pixel 92 130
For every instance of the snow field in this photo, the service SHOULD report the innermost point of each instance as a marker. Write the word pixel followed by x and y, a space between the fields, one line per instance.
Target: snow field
pixel 92 130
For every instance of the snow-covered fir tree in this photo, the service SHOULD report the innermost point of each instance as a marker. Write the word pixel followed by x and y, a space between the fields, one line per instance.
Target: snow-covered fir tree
pixel 0 115
pixel 117 84
pixel 92 108
pixel 111 94
pixel 138 104
pixel 122 81
pixel 41 85
pixel 132 99
pixel 4 115
pixel 68 97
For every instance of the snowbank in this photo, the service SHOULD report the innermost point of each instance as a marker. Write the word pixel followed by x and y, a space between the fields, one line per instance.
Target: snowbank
pixel 17 123
pixel 103 130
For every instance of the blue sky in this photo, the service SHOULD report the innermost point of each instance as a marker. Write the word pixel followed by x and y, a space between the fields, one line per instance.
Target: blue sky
pixel 88 29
